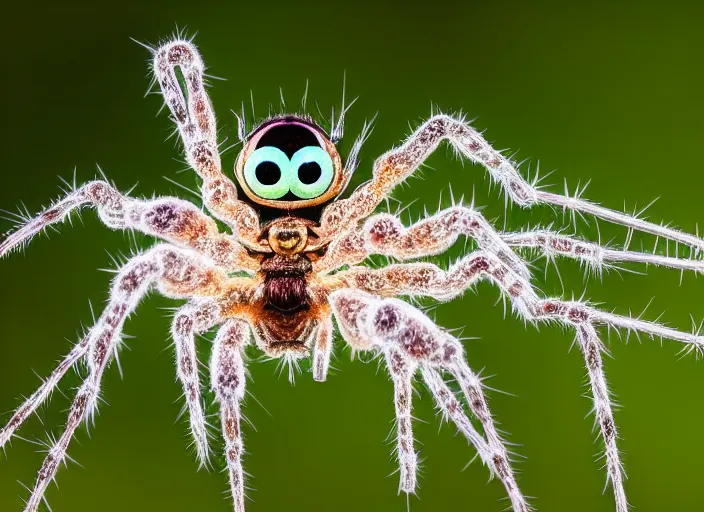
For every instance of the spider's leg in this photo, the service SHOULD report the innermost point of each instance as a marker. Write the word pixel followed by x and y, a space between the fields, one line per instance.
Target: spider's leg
pixel 44 392
pixel 591 347
pixel 591 254
pixel 402 370
pixel 409 340
pixel 179 71
pixel 228 383
pixel 179 274
pixel 385 234
pixel 322 348
pixel 429 280
pixel 191 319
pixel 169 219
pixel 398 164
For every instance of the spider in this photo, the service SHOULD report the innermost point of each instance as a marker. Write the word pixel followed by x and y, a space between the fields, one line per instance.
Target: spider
pixel 292 260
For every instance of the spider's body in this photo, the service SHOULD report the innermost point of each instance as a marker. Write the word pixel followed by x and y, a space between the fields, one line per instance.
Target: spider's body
pixel 287 303
pixel 292 260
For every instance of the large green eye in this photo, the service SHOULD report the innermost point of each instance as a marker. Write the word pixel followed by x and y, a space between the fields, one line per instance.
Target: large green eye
pixel 266 172
pixel 311 172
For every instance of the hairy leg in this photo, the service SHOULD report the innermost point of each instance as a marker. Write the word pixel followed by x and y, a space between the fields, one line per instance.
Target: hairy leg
pixel 386 235
pixel 169 219
pixel 398 164
pixel 430 280
pixel 402 371
pixel 194 116
pixel 228 383
pixel 593 255
pixel 44 392
pixel 190 320
pixel 410 340
pixel 172 269
pixel 322 348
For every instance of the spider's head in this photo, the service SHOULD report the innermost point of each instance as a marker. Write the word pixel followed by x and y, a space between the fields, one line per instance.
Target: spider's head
pixel 289 163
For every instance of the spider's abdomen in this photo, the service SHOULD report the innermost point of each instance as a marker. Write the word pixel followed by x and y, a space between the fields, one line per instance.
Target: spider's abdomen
pixel 287 293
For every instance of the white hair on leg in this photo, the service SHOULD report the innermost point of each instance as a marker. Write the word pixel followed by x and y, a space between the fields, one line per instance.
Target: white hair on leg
pixel 228 383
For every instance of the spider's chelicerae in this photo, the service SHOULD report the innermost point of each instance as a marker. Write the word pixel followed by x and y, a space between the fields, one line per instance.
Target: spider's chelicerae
pixel 292 261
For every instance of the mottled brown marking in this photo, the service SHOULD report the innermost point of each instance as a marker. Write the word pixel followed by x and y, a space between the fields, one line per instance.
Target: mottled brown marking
pixel 561 244
pixel 78 409
pixel 231 428
pixel 577 314
pixel 52 214
pixel 386 318
pixel 48 467
pixel 501 466
pixel 101 347
pixel 593 359
pixel 607 428
pixel 550 308
pixel 186 365
pixel 515 289
pixel 184 324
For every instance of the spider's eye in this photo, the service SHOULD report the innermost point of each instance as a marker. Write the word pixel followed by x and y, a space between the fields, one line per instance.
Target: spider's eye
pixel 267 172
pixel 311 172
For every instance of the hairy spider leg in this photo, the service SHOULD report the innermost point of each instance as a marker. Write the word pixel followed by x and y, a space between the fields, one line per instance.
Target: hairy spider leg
pixel 410 340
pixel 385 234
pixel 228 382
pixel 191 319
pixel 425 279
pixel 177 274
pixel 193 114
pixel 322 347
pixel 170 219
pixel 396 165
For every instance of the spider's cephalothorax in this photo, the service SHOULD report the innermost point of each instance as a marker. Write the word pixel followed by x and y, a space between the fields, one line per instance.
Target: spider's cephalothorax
pixel 289 170
pixel 292 260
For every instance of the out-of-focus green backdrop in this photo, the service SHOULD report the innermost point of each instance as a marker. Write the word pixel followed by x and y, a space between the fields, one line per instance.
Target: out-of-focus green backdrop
pixel 597 91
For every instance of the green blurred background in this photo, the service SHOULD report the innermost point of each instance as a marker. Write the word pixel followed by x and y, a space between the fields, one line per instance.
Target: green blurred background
pixel 598 91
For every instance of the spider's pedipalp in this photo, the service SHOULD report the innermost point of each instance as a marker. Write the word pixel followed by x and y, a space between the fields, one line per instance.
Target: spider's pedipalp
pixel 410 340
pixel 228 383
pixel 170 219
pixel 189 320
pixel 179 70
pixel 183 275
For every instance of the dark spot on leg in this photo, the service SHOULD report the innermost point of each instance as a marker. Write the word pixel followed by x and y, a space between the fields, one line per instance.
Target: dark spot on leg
pixel 501 466
pixel 51 214
pixel 162 217
pixel 515 289
pixel 186 365
pixel 577 314
pixel 550 308
pixel 593 360
pixel 184 324
pixel 231 428
pixel 607 427
pixel 386 318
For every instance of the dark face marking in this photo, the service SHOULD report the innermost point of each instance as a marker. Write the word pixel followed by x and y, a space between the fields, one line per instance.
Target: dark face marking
pixel 289 137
